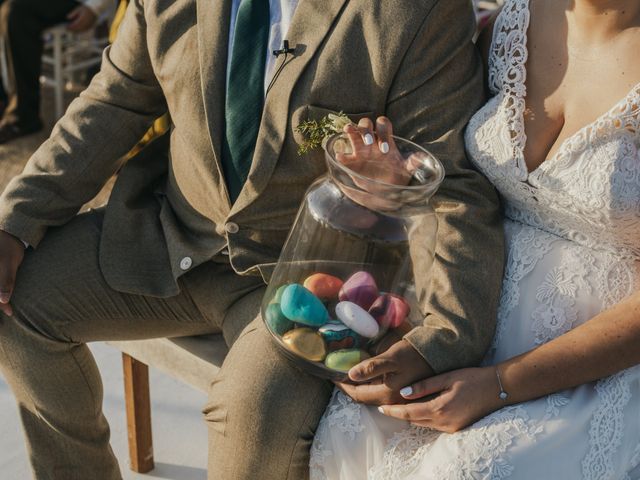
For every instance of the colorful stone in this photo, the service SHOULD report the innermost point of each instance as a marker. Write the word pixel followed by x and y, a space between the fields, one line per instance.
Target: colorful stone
pixel 301 306
pixel 277 298
pixel 390 310
pixel 323 286
pixel 344 360
pixel 357 319
pixel 338 336
pixel 307 343
pixel 277 322
pixel 360 289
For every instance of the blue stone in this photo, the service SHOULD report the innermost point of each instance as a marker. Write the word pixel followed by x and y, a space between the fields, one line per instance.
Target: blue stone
pixel 277 322
pixel 301 306
pixel 278 296
pixel 338 336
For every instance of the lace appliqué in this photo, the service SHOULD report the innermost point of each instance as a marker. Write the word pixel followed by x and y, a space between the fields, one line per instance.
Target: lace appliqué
pixel 342 414
pixel 507 72
pixel 484 451
pixel 526 248
pixel 605 433
pixel 404 453
pixel 607 425
pixel 635 463
pixel 557 312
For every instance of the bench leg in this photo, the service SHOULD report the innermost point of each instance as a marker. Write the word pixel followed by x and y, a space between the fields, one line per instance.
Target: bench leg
pixel 136 391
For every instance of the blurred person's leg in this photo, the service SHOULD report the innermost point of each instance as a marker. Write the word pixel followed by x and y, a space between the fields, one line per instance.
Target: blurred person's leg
pixel 21 25
pixel 61 302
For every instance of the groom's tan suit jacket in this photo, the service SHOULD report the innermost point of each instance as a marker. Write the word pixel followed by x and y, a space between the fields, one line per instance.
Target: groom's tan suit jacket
pixel 411 60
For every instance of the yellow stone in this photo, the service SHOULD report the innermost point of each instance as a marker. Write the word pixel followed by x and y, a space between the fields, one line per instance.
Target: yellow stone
pixel 307 343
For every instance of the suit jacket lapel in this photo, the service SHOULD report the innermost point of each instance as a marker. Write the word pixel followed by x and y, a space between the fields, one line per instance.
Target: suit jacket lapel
pixel 311 22
pixel 213 39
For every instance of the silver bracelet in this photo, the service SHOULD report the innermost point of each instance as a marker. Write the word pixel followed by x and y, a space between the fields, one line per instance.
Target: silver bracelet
pixel 503 395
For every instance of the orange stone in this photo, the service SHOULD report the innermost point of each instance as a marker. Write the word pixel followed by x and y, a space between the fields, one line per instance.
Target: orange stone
pixel 323 286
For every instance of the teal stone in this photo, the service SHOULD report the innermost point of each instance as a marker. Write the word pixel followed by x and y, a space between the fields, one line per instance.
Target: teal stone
pixel 278 296
pixel 338 336
pixel 301 306
pixel 344 360
pixel 277 322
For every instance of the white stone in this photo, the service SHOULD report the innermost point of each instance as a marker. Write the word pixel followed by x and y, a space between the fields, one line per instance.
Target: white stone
pixel 357 319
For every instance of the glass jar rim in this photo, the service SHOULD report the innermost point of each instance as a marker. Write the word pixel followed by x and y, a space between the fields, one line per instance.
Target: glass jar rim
pixel 431 184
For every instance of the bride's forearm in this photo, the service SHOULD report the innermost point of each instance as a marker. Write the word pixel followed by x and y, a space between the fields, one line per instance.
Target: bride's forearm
pixel 606 344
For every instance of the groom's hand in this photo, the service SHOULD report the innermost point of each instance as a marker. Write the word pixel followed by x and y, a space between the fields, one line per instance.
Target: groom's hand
pixel 379 379
pixel 11 255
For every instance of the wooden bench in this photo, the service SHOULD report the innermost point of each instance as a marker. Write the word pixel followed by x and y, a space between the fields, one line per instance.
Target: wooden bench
pixel 192 360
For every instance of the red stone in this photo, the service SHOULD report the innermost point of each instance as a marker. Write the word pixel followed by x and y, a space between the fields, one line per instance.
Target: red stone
pixel 390 310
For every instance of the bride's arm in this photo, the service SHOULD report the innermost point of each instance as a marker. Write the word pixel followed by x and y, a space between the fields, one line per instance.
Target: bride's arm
pixel 603 346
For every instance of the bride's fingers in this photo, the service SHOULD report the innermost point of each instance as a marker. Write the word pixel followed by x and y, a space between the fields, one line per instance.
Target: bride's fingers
pixel 384 130
pixel 412 412
pixel 365 125
pixel 423 388
pixel 361 139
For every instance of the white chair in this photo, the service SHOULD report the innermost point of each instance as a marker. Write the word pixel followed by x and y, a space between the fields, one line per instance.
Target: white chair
pixel 69 53
pixel 192 360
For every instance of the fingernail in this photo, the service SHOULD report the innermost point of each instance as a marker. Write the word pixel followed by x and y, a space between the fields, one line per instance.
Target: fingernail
pixel 381 410
pixel 384 147
pixel 368 139
pixel 406 391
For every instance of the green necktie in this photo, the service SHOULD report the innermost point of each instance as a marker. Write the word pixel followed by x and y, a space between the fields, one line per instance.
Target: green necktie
pixel 245 92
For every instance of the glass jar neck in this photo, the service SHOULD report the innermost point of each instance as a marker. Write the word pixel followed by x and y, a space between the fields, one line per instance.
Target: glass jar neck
pixel 419 169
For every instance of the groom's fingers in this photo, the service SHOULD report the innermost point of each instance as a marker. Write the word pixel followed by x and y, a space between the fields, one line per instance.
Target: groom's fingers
pixel 372 368
pixel 376 393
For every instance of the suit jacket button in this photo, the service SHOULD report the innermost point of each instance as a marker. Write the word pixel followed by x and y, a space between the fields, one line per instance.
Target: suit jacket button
pixel 231 227
pixel 185 263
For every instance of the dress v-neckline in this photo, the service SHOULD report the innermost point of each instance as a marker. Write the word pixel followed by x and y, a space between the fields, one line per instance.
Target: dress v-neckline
pixel 520 114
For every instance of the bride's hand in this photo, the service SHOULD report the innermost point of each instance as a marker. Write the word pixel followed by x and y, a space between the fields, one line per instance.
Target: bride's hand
pixel 453 400
pixel 378 380
pixel 375 154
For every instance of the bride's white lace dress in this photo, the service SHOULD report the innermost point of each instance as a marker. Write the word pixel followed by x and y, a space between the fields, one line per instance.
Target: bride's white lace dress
pixel 573 237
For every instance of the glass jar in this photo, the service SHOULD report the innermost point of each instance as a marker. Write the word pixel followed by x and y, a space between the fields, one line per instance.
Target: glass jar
pixel 357 260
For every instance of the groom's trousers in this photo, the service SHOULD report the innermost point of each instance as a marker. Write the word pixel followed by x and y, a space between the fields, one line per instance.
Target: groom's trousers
pixel 261 407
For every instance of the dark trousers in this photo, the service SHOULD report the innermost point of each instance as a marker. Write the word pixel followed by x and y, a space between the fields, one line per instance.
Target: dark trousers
pixel 21 25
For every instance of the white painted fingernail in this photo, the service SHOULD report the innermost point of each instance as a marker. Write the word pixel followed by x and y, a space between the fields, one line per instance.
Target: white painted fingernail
pixel 406 391
pixel 381 410
pixel 368 139
pixel 384 147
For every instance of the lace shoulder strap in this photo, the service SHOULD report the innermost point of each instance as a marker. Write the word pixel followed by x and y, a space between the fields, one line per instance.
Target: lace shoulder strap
pixel 508 53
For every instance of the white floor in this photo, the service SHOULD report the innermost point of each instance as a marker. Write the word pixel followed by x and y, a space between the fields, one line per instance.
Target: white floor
pixel 179 433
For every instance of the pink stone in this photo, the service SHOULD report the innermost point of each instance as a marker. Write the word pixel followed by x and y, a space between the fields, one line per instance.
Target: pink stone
pixel 390 310
pixel 360 289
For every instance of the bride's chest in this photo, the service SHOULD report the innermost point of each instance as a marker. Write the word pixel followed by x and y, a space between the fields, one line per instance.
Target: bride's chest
pixel 594 174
